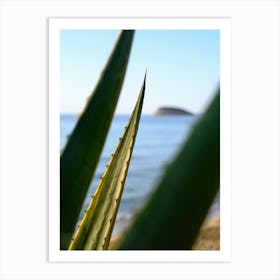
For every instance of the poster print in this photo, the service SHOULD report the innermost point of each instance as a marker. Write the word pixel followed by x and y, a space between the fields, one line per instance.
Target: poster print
pixel 140 138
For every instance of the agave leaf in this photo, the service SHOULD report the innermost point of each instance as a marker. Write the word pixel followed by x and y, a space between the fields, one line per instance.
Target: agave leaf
pixel 174 213
pixel 95 229
pixel 82 151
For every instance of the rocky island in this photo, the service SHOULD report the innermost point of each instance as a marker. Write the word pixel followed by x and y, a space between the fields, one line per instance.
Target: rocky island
pixel 172 111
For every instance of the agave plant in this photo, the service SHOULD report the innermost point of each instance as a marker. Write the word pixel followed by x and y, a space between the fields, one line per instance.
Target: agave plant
pixel 94 232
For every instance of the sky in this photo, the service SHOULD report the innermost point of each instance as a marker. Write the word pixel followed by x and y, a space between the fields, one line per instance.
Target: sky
pixel 183 68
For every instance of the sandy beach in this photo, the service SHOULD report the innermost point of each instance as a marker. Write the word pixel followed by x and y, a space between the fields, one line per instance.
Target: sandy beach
pixel 208 237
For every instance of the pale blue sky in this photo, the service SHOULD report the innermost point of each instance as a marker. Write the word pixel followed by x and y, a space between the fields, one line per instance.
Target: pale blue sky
pixel 183 68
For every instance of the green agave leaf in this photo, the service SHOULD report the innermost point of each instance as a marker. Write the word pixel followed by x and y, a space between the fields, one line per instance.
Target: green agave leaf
pixel 95 229
pixel 174 213
pixel 82 151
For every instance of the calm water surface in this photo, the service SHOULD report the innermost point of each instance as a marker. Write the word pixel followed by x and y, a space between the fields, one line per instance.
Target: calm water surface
pixel 157 142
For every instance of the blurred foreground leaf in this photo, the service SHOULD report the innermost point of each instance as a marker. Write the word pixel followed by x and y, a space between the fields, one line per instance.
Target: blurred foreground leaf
pixel 82 151
pixel 176 210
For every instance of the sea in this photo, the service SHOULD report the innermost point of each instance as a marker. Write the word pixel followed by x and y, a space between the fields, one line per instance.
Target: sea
pixel 158 140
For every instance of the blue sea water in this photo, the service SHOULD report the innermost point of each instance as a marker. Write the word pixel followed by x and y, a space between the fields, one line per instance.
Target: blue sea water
pixel 158 140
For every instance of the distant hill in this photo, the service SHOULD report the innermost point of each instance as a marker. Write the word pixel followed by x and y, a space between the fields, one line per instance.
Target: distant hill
pixel 165 111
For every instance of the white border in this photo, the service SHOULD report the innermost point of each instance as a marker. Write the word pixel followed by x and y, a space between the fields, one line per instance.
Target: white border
pixel 222 24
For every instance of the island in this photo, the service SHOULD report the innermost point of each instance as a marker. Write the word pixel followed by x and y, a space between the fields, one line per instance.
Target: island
pixel 171 111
